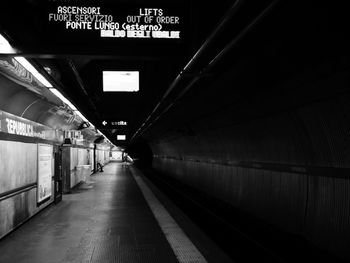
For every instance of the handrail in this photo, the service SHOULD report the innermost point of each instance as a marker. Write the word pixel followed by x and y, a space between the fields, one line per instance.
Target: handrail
pixel 17 191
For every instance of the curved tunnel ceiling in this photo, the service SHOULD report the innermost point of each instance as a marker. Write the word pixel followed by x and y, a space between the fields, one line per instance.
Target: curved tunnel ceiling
pixel 243 41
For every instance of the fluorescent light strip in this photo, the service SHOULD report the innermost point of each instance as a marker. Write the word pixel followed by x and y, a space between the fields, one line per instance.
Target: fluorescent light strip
pixel 104 136
pixel 63 98
pixel 83 118
pixel 3 41
pixel 5 47
pixel 26 64
pixel 101 133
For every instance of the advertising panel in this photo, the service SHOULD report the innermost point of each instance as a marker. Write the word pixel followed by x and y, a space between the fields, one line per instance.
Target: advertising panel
pixel 45 165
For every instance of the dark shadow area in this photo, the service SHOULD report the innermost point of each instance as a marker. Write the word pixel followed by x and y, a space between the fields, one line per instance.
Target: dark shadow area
pixel 243 237
pixel 141 153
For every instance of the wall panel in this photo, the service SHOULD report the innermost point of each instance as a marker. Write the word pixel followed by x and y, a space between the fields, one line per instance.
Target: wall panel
pixel 18 165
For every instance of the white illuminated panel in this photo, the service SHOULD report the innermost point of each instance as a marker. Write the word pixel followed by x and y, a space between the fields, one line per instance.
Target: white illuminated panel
pixel 121 137
pixel 5 47
pixel 120 81
pixel 26 64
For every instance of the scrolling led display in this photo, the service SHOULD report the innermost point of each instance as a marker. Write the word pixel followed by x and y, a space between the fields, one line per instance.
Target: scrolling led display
pixel 114 22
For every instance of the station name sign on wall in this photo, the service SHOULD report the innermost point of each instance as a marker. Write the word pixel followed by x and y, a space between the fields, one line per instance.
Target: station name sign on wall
pixel 124 22
pixel 15 125
pixel 19 126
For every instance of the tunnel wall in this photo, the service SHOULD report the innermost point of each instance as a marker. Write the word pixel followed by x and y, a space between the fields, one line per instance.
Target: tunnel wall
pixel 290 169
pixel 18 169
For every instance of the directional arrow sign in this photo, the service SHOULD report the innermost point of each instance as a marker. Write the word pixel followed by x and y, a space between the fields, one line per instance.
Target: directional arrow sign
pixel 113 124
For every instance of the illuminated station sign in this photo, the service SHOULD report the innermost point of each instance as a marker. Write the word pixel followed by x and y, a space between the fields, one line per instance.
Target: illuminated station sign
pixel 117 22
pixel 114 124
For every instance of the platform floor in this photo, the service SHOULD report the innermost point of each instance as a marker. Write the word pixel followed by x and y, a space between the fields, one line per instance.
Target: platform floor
pixel 115 217
pixel 105 221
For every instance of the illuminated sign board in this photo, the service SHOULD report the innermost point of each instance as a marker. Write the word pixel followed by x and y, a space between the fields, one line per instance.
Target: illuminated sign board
pixel 120 81
pixel 119 123
pixel 115 21
pixel 121 137
pixel 115 123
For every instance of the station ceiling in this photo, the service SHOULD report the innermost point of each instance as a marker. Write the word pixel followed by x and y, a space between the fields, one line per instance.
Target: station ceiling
pixel 75 58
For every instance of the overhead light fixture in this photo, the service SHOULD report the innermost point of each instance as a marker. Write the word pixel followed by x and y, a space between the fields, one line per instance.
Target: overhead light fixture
pixel 81 116
pixel 99 132
pixel 83 125
pixel 71 105
pixel 26 64
pixel 130 159
pixel 121 137
pixel 63 98
pixel 120 81
pixel 5 47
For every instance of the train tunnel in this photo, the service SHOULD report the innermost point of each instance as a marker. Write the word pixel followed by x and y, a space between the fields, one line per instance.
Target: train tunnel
pixel 236 112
